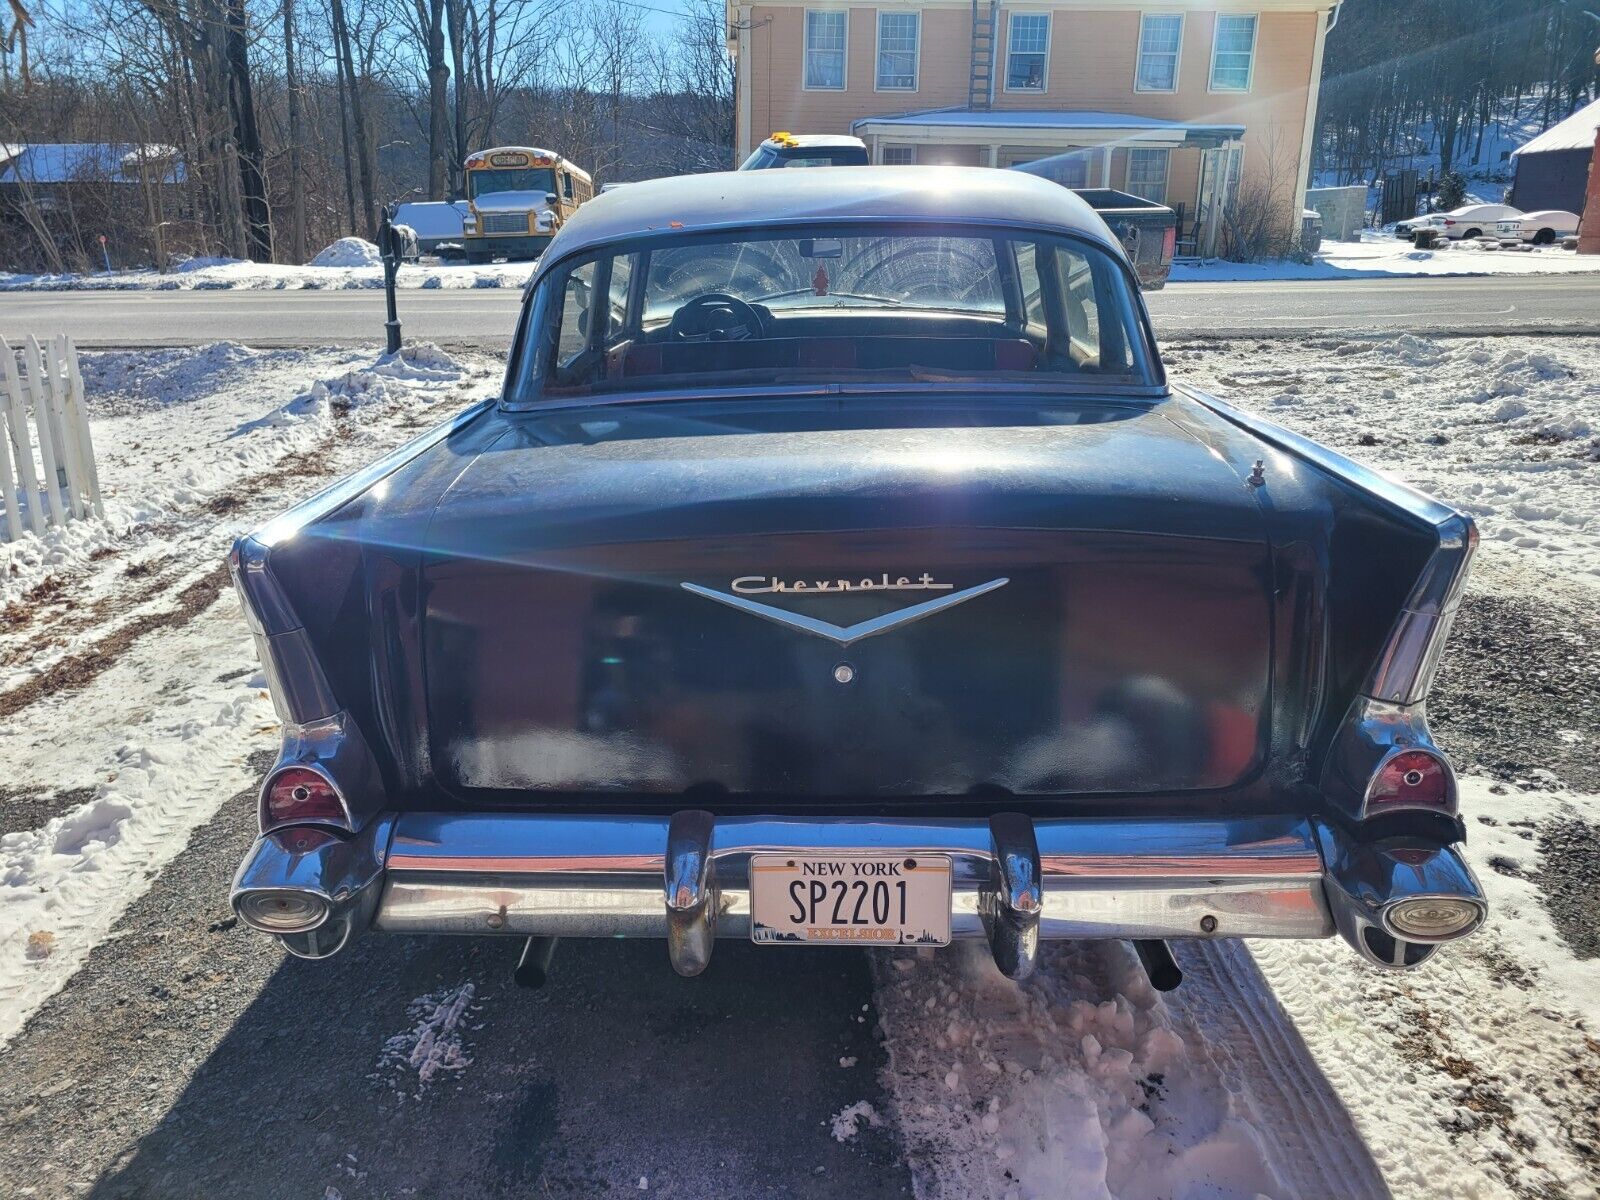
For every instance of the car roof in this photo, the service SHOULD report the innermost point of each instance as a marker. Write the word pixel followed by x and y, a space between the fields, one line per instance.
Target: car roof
pixel 981 196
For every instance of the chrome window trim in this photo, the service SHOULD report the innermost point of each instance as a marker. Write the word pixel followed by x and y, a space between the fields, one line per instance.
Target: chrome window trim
pixel 1143 346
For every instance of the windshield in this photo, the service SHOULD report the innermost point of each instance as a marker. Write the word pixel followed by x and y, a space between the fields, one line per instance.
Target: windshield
pixel 522 179
pixel 842 305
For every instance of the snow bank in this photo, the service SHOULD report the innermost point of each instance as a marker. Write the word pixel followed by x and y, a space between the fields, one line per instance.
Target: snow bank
pixel 348 252
pixel 174 429
pixel 349 266
pixel 1379 255
pixel 1075 1083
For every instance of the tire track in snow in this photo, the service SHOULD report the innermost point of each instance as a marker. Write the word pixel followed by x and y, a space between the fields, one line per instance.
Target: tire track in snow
pixel 167 771
pixel 1228 1001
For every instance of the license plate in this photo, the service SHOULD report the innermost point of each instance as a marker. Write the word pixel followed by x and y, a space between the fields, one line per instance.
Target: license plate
pixel 886 900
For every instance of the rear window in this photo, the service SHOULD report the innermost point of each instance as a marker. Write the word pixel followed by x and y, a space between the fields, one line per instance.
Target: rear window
pixel 767 157
pixel 840 305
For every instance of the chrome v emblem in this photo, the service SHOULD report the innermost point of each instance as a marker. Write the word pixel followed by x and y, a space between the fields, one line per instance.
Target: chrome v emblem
pixel 845 634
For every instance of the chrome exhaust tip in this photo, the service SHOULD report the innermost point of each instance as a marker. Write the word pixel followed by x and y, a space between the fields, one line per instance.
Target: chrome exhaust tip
pixel 1397 900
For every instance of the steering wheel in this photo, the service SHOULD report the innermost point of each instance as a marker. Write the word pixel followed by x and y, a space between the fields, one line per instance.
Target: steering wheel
pixel 715 316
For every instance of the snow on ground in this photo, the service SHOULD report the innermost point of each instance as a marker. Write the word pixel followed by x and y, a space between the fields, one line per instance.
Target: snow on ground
pixel 1481 1068
pixel 347 263
pixel 436 1040
pixel 1379 254
pixel 130 695
pixel 1077 1083
pixel 1506 429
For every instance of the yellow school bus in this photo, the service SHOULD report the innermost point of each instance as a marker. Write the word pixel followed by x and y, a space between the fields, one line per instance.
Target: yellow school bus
pixel 517 197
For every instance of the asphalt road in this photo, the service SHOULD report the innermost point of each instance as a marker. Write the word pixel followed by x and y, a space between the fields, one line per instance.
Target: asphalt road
pixel 484 316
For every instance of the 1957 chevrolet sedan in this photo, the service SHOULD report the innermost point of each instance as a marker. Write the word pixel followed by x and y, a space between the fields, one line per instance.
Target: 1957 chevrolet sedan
pixel 839 565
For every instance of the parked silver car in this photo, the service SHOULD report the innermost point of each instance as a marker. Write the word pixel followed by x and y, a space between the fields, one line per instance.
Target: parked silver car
pixel 1468 221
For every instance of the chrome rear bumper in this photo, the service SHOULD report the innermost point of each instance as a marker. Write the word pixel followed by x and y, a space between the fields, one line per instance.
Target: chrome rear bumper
pixel 686 878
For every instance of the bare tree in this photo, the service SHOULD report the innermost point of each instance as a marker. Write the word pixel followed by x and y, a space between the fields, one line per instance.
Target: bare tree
pixel 297 188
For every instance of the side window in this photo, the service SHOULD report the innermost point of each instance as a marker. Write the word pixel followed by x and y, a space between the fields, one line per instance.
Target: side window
pixel 566 186
pixel 576 297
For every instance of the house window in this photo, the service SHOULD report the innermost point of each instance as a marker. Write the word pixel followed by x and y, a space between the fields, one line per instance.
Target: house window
pixel 897 51
pixel 825 35
pixel 1027 47
pixel 1160 36
pixel 898 156
pixel 1147 174
pixel 1233 53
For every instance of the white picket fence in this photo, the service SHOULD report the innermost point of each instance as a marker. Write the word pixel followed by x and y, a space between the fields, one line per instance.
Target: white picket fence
pixel 62 483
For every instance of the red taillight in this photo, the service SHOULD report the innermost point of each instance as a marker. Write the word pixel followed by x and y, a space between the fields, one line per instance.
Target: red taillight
pixel 1448 221
pixel 1412 778
pixel 297 795
pixel 1169 243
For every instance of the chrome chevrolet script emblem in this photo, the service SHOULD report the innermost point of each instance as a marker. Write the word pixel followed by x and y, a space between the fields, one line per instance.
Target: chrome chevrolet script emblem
pixel 747 585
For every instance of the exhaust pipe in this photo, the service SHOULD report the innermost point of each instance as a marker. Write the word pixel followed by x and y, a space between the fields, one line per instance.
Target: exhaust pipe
pixel 1397 900
pixel 533 968
pixel 1156 958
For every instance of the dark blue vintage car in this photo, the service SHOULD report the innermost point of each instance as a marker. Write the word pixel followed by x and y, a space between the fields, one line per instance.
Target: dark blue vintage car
pixel 839 565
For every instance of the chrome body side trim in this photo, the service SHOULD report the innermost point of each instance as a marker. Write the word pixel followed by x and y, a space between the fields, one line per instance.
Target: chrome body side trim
pixel 1404 670
pixel 845 634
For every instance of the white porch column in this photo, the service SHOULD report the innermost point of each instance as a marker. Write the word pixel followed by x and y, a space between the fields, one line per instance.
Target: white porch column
pixel 1105 166
pixel 993 155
